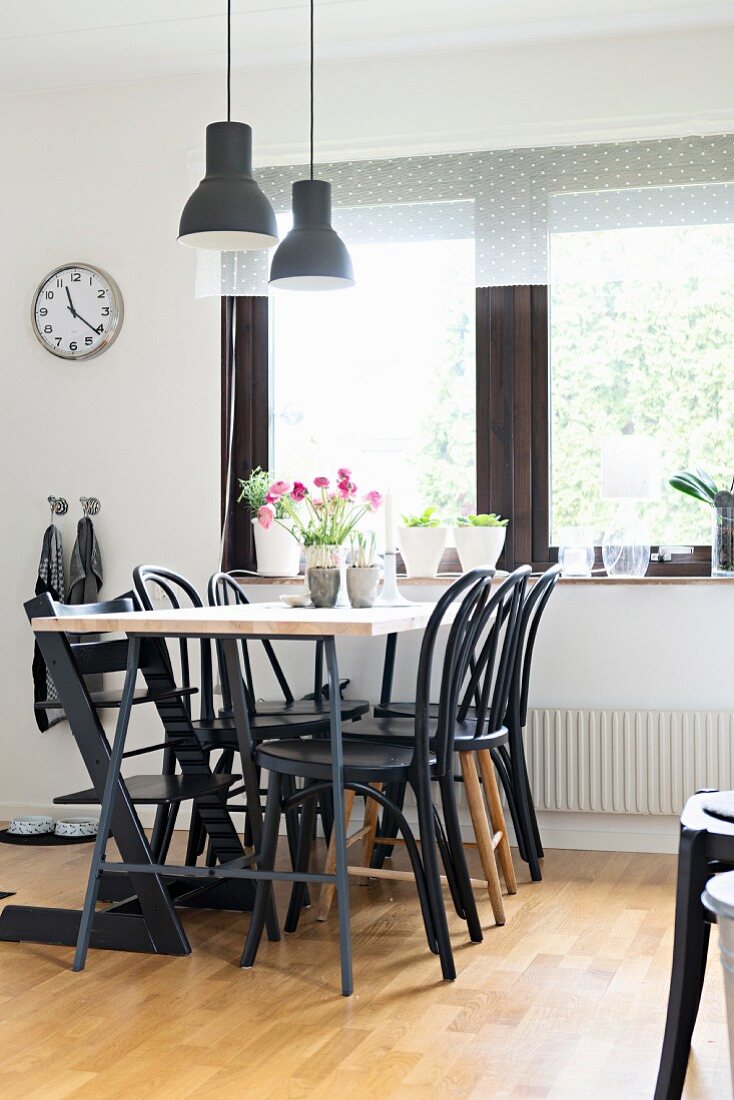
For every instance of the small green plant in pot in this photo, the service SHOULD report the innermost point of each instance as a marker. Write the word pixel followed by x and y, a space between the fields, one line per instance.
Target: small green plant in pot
pixel 363 573
pixel 422 541
pixel 701 486
pixel 277 554
pixel 479 540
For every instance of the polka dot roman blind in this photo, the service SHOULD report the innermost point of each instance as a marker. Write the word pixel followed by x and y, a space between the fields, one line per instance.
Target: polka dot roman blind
pixel 502 196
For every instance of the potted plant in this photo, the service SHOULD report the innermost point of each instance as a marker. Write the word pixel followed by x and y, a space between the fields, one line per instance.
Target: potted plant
pixel 321 520
pixel 422 541
pixel 276 552
pixel 700 485
pixel 363 573
pixel 479 540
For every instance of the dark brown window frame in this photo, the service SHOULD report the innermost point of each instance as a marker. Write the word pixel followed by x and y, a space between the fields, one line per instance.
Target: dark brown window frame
pixel 512 406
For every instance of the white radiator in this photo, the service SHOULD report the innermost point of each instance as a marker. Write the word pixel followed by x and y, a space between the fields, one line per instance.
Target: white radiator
pixel 627 761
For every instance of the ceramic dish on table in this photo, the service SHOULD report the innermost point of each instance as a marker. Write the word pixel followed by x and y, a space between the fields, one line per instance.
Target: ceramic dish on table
pixel 31 825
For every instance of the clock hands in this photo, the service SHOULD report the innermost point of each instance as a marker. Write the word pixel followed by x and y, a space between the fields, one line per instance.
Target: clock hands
pixel 78 316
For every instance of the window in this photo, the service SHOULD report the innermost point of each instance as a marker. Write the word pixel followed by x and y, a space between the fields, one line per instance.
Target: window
pixel 501 399
pixel 381 377
pixel 641 339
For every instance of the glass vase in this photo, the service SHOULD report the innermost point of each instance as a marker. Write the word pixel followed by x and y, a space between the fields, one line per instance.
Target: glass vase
pixel 722 542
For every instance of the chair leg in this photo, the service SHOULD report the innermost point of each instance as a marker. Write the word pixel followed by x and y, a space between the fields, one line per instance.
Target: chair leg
pixel 457 856
pixel 328 889
pixel 301 863
pixel 388 825
pixel 264 889
pixel 497 818
pixel 505 775
pixel 689 963
pixel 422 789
pixel 482 833
pixel 524 798
pixel 371 813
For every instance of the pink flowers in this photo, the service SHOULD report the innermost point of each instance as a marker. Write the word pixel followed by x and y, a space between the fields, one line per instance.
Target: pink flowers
pixel 266 515
pixel 324 518
pixel 279 489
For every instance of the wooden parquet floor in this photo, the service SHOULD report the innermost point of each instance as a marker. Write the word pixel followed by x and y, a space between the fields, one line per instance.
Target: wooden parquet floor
pixel 566 1002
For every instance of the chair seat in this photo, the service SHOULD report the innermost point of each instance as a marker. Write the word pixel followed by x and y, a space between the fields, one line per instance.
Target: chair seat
pixel 158 789
pixel 351 709
pixel 220 733
pixel 401 710
pixel 364 761
pixel 402 731
pixel 110 699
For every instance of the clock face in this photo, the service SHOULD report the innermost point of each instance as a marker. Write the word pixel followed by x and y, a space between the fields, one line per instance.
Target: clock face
pixel 77 311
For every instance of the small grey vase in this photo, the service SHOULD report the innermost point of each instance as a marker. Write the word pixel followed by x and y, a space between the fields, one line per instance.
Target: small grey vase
pixel 323 585
pixel 362 585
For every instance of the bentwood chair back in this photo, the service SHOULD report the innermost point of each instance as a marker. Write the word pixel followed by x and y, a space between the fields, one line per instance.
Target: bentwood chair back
pixel 226 589
pixel 470 722
pixel 510 759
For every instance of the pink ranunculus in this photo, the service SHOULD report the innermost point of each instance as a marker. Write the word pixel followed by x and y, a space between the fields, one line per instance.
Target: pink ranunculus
pixel 279 489
pixel 299 491
pixel 344 473
pixel 374 500
pixel 266 515
pixel 346 488
pixel 321 482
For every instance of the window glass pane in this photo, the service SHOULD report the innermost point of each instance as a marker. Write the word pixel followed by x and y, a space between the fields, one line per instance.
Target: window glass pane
pixel 380 377
pixel 642 341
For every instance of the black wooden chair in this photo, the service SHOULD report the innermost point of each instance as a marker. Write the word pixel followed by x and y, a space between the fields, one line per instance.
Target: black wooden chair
pixel 377 761
pixel 508 757
pixel 92 658
pixel 479 731
pixel 216 733
pixel 706 847
pixel 227 588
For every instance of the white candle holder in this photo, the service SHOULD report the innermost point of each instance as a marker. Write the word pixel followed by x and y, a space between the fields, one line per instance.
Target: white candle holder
pixel 390 596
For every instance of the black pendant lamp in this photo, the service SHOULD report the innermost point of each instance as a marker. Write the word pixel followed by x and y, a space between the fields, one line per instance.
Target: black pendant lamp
pixel 228 211
pixel 312 256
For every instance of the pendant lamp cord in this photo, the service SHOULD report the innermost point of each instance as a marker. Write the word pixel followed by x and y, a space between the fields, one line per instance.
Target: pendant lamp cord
pixel 311 88
pixel 229 60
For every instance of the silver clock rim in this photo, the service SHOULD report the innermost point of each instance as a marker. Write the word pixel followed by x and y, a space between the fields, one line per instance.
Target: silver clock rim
pixel 115 321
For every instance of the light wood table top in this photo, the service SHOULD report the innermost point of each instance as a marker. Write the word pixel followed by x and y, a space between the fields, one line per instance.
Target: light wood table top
pixel 255 619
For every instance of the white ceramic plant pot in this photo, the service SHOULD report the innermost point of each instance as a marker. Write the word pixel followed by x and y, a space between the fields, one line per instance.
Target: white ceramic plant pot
pixel 422 549
pixel 479 547
pixel 278 553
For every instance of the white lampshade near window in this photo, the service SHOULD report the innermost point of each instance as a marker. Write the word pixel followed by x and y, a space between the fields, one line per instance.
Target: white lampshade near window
pixel 629 473
pixel 629 468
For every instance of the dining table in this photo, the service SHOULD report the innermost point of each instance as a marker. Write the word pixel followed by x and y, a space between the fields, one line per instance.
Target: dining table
pixel 148 920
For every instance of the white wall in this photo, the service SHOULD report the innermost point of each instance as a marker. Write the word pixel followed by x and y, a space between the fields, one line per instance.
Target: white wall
pixel 98 175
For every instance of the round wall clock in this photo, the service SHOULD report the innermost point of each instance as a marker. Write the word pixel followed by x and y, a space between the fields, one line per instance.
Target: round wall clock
pixel 77 311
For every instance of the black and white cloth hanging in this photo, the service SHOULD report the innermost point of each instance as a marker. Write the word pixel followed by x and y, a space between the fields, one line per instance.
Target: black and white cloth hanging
pixel 51 580
pixel 85 569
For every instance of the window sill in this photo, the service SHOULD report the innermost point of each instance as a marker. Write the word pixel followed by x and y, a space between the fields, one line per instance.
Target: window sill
pixel 443 580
